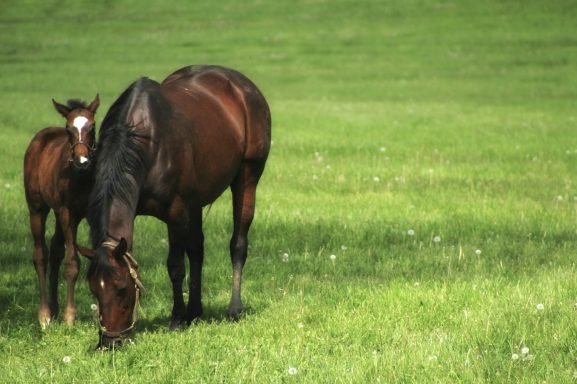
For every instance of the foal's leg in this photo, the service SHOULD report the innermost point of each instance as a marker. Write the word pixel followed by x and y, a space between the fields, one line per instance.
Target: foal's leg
pixel 71 263
pixel 243 202
pixel 175 264
pixel 56 256
pixel 195 251
pixel 39 258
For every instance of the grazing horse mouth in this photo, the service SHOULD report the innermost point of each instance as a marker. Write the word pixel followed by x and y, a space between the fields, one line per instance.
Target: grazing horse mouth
pixel 107 343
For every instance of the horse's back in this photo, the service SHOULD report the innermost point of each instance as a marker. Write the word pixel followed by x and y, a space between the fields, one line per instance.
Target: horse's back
pixel 237 94
pixel 47 142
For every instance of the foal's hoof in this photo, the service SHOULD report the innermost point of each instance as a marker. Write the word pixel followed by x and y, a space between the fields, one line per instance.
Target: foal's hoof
pixel 69 317
pixel 44 318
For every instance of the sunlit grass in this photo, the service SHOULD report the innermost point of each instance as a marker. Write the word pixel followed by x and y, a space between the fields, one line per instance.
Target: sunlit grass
pixel 416 220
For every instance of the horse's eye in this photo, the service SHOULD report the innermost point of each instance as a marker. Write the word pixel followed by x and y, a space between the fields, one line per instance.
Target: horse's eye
pixel 121 292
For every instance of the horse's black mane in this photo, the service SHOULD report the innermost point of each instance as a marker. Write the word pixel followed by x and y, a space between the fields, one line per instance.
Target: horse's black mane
pixel 121 159
pixel 76 104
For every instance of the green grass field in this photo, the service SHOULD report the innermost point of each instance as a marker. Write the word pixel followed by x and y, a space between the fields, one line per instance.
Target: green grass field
pixel 417 219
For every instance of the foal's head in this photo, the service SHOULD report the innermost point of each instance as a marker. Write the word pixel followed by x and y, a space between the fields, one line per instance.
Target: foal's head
pixel 114 280
pixel 81 130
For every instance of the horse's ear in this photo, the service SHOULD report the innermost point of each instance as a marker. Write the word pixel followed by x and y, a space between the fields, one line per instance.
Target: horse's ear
pixel 94 105
pixel 62 109
pixel 86 252
pixel 121 249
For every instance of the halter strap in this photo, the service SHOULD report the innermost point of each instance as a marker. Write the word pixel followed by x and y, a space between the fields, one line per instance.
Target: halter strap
pixel 91 150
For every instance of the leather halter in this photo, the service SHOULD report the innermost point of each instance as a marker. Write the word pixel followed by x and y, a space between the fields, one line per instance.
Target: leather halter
pixel 133 270
pixel 91 149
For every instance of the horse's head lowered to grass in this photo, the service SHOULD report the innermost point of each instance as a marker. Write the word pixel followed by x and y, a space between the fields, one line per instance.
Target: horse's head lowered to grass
pixel 114 280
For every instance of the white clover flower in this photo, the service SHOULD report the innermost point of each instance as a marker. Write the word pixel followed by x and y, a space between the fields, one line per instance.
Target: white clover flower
pixel 343 247
pixel 433 358
pixel 514 356
pixel 540 307
pixel 411 232
pixel 524 350
pixel 376 179
pixel 66 359
pixel 93 306
pixel 292 371
pixel 477 252
pixel 437 239
pixel 300 325
pixel 382 149
pixel 333 257
pixel 285 257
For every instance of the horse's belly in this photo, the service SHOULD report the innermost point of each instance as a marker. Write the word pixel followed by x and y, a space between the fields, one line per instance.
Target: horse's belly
pixel 193 187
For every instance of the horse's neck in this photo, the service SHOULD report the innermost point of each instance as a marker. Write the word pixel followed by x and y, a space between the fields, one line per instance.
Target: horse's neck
pixel 121 221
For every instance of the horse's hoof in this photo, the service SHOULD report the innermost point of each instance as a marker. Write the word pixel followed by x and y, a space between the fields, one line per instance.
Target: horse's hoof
pixel 177 325
pixel 235 314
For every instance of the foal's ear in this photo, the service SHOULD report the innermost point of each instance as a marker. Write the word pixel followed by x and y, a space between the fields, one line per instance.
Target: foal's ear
pixel 62 109
pixel 121 249
pixel 86 252
pixel 94 104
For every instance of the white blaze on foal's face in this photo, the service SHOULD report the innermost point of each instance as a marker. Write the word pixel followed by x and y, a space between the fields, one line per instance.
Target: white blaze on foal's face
pixel 79 123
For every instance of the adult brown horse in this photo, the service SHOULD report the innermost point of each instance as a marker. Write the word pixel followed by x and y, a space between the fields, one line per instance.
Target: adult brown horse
pixel 168 150
pixel 58 176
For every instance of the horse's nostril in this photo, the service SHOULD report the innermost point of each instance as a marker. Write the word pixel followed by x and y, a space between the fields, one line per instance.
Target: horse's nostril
pixel 107 343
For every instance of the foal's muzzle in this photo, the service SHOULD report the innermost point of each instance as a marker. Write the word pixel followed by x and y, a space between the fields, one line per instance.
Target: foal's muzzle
pixel 81 163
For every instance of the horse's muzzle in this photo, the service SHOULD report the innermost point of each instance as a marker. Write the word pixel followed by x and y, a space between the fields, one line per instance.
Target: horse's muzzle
pixel 112 343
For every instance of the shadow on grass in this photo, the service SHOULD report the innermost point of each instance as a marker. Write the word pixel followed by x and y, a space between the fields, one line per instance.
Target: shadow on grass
pixel 211 315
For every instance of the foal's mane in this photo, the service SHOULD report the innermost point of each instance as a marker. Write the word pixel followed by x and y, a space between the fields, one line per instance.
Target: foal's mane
pixel 121 158
pixel 73 104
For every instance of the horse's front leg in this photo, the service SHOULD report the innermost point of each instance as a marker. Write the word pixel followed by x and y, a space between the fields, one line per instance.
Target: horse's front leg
pixel 176 272
pixel 56 257
pixel 40 260
pixel 71 263
pixel 195 251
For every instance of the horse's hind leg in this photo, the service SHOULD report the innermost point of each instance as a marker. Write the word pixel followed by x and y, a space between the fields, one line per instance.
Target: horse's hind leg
pixel 56 256
pixel 40 260
pixel 243 202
